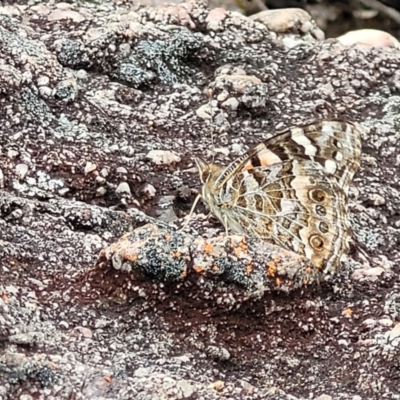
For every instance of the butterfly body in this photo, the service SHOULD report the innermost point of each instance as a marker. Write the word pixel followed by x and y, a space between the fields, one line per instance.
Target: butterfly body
pixel 290 190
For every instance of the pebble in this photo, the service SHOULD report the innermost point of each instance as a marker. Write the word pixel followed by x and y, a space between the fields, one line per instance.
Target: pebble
pixel 217 385
pixel 163 157
pixel 218 353
pixel 12 154
pixel 58 15
pixel 122 170
pixel 377 200
pixel 101 191
pixel 89 167
pixel 370 274
pixel 284 20
pixel 149 190
pixel 123 187
pixel 214 19
pixel 21 170
pixel 186 388
pixel 393 336
pixel 371 37
pixel 21 338
pixel 231 103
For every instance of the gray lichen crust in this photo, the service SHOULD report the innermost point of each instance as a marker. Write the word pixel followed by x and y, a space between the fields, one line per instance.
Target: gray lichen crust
pixel 103 106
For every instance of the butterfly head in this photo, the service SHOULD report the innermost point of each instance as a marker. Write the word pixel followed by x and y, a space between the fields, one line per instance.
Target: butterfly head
pixel 208 172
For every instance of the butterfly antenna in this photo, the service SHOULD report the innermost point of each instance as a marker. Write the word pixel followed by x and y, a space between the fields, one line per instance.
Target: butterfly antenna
pixel 211 123
pixel 199 162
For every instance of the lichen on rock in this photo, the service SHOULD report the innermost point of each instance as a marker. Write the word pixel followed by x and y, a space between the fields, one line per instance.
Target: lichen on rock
pixel 103 108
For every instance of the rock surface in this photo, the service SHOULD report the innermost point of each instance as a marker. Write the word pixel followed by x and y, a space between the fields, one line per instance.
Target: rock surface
pixel 87 92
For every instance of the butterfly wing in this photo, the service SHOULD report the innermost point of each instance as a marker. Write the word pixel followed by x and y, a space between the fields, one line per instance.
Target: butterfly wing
pixel 292 190
pixel 335 145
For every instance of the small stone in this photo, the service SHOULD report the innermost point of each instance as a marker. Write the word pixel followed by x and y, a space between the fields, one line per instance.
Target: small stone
pixel 377 200
pixel 216 14
pixel 186 388
pixel 122 170
pixel 370 322
pixel 370 274
pixel 231 103
pixel 163 157
pixel 21 170
pixel 214 19
pixel 64 324
pixel 217 385
pixel 58 15
pixel 218 353
pixel 104 172
pixel 123 187
pixel 371 37
pixel 12 154
pixel 21 338
pixel 43 80
pixel 204 112
pixel 86 332
pixel 90 167
pixel 283 20
pixel 149 190
pixel 385 322
pixel 25 397
pixel 393 336
pixel 81 74
pixel 101 191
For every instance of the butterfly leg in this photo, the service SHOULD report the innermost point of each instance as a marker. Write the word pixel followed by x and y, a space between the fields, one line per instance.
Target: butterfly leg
pixel 226 225
pixel 189 217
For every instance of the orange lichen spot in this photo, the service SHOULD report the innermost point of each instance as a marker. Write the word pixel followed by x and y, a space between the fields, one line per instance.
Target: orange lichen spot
pixel 237 250
pixel 53 366
pixel 131 257
pixel 108 378
pixel 249 268
pixel 184 273
pixel 5 297
pixel 278 282
pixel 271 268
pixel 199 269
pixel 308 270
pixel 243 245
pixel 215 268
pixel 208 248
pixel 167 237
pixel 176 254
pixel 348 312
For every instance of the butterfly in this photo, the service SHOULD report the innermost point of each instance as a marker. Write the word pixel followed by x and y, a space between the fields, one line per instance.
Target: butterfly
pixel 290 190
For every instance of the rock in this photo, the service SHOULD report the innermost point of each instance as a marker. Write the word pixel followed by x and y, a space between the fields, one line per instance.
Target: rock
pixel 288 20
pixel 90 167
pixel 163 157
pixel 101 294
pixel 123 187
pixel 377 200
pixel 21 170
pixel 371 37
pixel 65 14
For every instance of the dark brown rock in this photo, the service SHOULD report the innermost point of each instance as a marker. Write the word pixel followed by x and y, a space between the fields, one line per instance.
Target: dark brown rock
pixel 87 91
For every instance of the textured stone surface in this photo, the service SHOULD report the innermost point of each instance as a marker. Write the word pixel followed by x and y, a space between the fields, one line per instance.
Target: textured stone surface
pixel 87 91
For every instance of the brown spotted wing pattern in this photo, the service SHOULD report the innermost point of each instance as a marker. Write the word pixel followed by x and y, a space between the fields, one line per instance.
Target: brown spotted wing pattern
pixel 291 190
